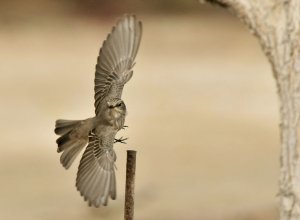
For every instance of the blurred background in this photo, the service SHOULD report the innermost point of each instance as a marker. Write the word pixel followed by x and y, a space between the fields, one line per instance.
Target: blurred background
pixel 203 111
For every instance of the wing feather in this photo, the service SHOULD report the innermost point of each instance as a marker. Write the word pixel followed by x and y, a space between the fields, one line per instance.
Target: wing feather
pixel 113 192
pixel 96 175
pixel 116 59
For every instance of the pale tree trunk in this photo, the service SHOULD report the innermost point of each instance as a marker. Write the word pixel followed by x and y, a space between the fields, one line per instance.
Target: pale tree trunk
pixel 276 24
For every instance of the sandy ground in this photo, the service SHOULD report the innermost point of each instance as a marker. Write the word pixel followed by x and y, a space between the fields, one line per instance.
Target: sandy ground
pixel 203 117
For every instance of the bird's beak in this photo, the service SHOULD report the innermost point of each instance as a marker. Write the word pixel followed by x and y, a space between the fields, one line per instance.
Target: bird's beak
pixel 109 105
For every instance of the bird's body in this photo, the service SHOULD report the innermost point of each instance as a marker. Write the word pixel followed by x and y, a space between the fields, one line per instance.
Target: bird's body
pixel 96 179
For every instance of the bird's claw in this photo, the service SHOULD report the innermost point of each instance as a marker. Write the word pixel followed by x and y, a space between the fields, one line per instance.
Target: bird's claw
pixel 125 126
pixel 120 140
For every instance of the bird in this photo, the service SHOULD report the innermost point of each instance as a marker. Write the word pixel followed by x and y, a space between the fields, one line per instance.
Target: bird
pixel 96 180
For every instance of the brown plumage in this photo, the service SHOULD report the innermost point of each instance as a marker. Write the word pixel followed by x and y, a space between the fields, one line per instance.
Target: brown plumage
pixel 96 179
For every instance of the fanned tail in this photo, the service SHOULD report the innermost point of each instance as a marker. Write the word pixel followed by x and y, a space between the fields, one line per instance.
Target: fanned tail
pixel 73 138
pixel 63 126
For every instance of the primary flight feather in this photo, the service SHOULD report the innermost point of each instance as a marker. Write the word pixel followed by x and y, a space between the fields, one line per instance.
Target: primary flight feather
pixel 116 59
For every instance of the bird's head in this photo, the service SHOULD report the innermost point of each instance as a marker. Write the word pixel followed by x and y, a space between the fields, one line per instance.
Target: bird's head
pixel 116 106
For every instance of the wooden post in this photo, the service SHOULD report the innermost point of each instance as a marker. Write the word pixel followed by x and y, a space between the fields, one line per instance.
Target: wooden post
pixel 129 189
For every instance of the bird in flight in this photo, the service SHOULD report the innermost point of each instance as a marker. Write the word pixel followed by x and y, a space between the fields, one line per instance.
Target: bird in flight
pixel 96 179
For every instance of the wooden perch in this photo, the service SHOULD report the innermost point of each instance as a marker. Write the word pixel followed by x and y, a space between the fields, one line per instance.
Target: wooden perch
pixel 129 189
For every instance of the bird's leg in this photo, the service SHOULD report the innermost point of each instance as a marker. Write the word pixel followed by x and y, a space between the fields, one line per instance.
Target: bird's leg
pixel 120 140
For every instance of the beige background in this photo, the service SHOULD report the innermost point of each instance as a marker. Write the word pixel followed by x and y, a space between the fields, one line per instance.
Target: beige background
pixel 203 116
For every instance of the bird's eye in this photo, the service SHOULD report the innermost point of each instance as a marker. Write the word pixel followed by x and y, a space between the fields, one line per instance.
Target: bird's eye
pixel 118 105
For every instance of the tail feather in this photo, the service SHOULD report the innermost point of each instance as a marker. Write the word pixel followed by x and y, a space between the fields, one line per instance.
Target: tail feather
pixel 62 140
pixel 63 126
pixel 69 154
pixel 73 138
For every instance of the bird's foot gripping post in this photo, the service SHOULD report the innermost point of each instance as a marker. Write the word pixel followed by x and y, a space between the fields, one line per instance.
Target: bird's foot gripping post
pixel 129 189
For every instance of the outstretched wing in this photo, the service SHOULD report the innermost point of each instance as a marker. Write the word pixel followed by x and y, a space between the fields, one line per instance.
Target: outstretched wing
pixel 96 179
pixel 116 59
